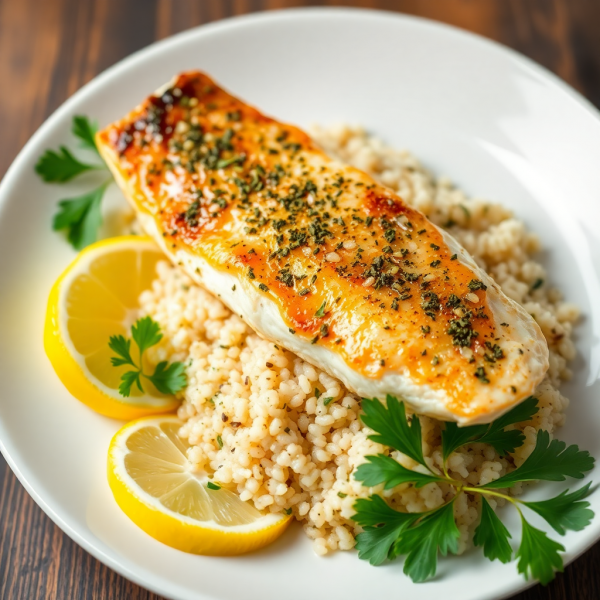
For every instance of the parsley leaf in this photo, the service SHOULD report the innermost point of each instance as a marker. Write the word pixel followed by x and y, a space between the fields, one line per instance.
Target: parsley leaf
pixel 81 216
pixel 508 441
pixel 492 535
pixel 435 532
pixel 422 536
pixel 502 441
pixel 167 378
pixel 127 381
pixel 520 413
pixel 61 166
pixel 384 469
pixel 538 554
pixel 392 428
pixel 382 525
pixel 121 346
pixel 549 461
pixel 146 333
pixel 85 130
pixel 453 437
pixel 565 511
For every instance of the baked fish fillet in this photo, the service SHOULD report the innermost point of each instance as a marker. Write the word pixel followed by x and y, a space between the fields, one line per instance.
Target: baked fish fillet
pixel 318 257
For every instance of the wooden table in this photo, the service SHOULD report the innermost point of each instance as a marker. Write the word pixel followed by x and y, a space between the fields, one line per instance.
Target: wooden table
pixel 50 48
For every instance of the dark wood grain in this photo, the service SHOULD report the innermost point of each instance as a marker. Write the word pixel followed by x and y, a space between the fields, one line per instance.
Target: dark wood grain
pixel 50 48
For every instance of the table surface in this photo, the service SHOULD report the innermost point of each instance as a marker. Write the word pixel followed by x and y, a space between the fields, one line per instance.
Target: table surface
pixel 49 49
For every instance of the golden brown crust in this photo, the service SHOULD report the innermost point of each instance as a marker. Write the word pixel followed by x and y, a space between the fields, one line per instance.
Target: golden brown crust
pixel 349 265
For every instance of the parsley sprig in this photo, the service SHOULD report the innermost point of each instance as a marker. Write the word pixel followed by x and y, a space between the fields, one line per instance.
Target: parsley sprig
pixel 79 216
pixel 167 378
pixel 421 537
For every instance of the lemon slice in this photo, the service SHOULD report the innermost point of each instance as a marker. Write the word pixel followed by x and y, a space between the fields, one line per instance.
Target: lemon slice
pixel 153 483
pixel 96 297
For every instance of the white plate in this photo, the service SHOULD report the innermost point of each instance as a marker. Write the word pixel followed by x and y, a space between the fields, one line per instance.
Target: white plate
pixel 502 127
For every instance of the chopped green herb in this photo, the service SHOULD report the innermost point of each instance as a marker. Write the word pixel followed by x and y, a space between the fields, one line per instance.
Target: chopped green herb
pixel 481 375
pixel 475 285
pixel 321 311
pixel 538 283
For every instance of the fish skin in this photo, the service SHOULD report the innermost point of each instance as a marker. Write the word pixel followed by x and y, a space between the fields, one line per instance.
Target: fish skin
pixel 260 216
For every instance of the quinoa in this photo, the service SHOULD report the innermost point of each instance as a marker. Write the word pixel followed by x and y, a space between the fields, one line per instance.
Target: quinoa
pixel 255 414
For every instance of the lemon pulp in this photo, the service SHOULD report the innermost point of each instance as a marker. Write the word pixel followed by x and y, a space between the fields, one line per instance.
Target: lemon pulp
pixel 97 297
pixel 154 484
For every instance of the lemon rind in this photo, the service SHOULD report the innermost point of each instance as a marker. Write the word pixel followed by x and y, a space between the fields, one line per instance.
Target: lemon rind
pixel 176 530
pixel 69 364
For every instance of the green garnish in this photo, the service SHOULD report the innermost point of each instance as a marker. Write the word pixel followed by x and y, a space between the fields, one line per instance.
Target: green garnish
pixel 60 167
pixel 321 311
pixel 80 216
pixel 565 511
pixel 538 283
pixel 86 131
pixel 384 469
pixel 420 537
pixel 435 531
pixel 392 428
pixel 213 486
pixel 538 555
pixel 549 461
pixel 491 535
pixel 475 285
pixel 494 434
pixel 167 378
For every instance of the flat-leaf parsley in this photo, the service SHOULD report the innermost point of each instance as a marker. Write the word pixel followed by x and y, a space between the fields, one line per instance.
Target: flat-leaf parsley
pixel 168 378
pixel 420 537
pixel 80 216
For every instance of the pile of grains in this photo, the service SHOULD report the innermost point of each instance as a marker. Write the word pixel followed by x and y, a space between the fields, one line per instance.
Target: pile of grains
pixel 254 413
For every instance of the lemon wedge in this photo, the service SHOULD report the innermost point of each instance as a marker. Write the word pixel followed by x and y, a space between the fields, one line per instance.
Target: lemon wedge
pixel 96 297
pixel 153 483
